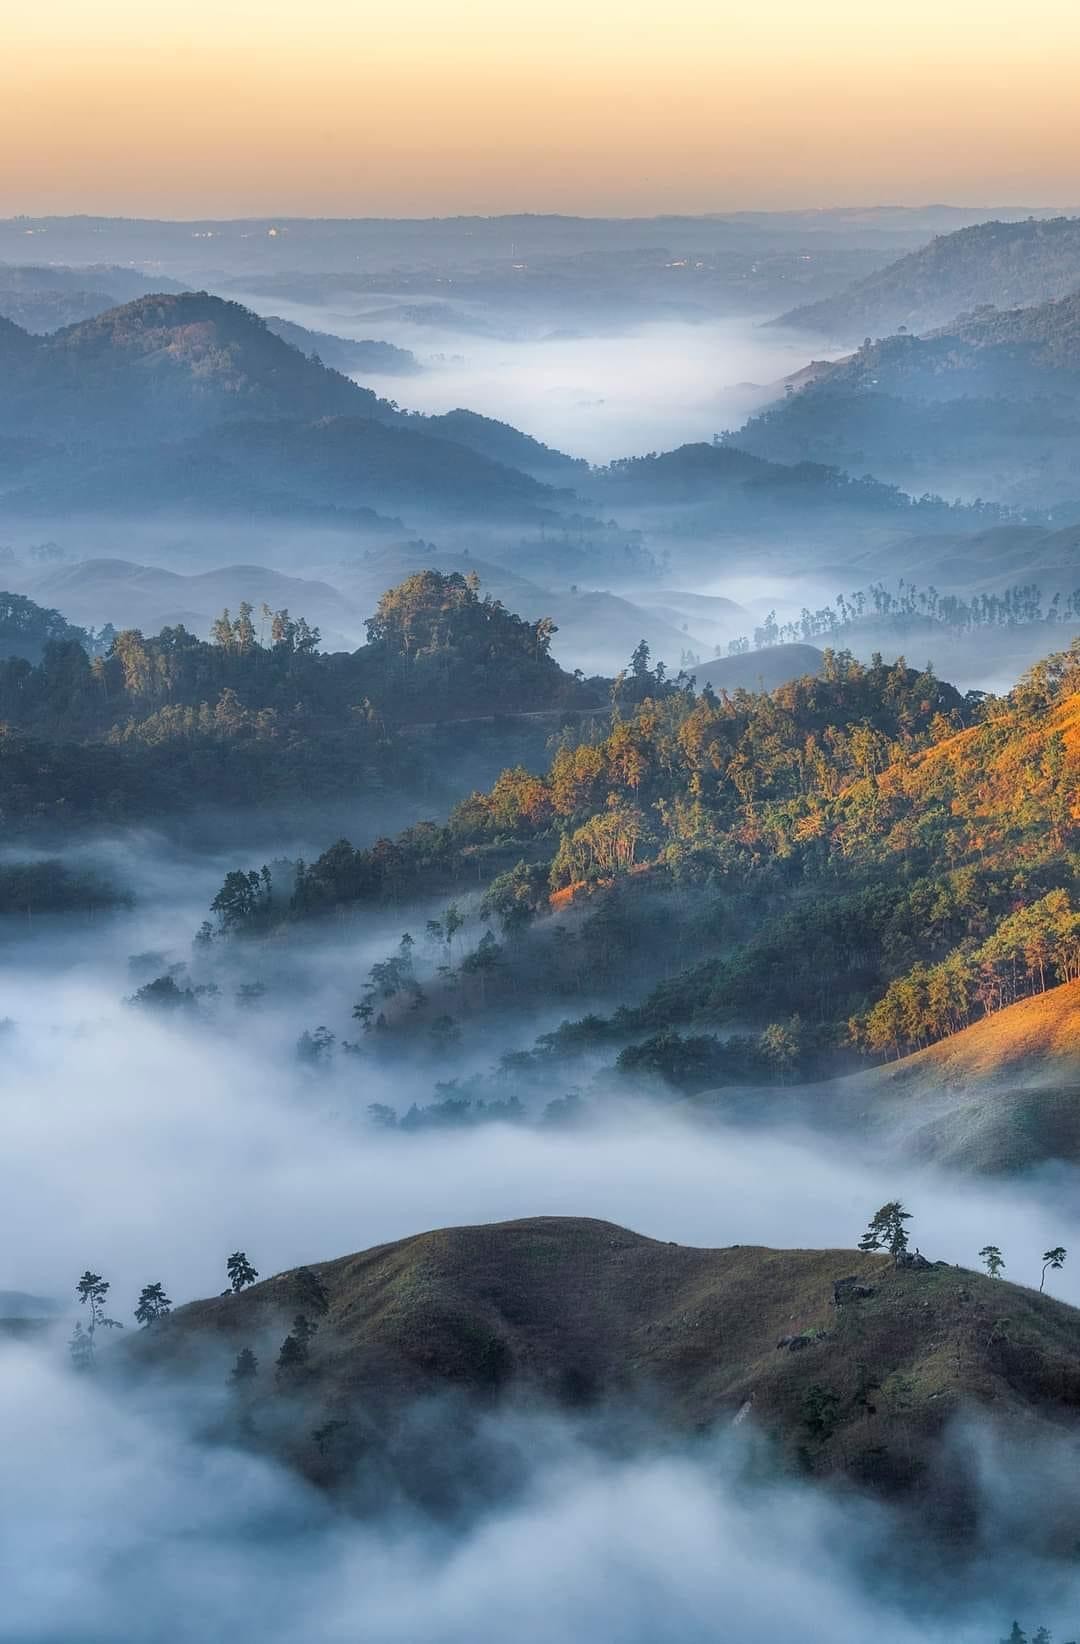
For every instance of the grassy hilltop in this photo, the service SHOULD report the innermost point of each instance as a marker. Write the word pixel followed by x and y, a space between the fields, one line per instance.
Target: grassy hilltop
pixel 580 1312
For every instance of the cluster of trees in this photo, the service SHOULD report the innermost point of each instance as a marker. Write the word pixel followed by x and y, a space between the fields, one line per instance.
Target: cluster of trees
pixel 1034 947
pixel 680 761
pixel 434 631
pixel 700 1061
pixel 887 1231
pixel 27 629
pixel 152 1306
pixel 257 712
pixel 879 607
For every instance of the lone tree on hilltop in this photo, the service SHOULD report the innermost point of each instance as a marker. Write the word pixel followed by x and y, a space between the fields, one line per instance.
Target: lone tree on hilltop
pixel 992 1260
pixel 887 1231
pixel 240 1271
pixel 1052 1261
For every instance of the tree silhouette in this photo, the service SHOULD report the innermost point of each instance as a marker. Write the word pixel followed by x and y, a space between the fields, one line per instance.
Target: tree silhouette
pixel 887 1231
pixel 1052 1260
pixel 153 1304
pixel 245 1369
pixel 992 1260
pixel 240 1271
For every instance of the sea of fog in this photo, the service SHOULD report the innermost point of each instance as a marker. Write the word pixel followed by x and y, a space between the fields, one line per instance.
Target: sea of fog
pixel 147 1146
pixel 647 388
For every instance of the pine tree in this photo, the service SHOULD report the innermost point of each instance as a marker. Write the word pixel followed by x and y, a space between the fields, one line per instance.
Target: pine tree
pixel 245 1369
pixel 992 1260
pixel 292 1357
pixel 153 1304
pixel 887 1231
pixel 240 1271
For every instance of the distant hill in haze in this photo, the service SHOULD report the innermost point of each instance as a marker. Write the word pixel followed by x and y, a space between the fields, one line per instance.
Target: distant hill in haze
pixel 354 358
pixel 96 591
pixel 1006 264
pixel 989 403
pixel 806 1346
pixel 502 443
pixel 43 298
pixel 192 402
pixel 762 670
pixel 164 367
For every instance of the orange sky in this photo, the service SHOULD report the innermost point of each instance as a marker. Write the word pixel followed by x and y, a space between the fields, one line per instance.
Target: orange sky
pixel 254 107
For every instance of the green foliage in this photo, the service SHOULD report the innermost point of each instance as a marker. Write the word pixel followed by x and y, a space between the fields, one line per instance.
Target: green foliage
pixel 1036 946
pixel 695 1061
pixel 992 1260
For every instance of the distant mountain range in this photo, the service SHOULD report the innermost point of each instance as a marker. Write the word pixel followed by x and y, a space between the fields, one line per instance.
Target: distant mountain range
pixel 45 297
pixel 989 404
pixel 188 400
pixel 1008 264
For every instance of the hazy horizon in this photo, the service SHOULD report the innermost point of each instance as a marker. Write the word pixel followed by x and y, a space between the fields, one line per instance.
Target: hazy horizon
pixel 692 109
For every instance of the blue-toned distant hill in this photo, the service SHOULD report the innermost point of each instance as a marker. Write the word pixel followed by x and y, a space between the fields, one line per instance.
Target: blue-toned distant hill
pixel 44 298
pixel 353 357
pixel 987 405
pixel 189 400
pixel 1006 264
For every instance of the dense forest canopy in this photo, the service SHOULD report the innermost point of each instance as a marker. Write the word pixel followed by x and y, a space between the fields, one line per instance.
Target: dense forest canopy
pixel 257 711
pixel 844 835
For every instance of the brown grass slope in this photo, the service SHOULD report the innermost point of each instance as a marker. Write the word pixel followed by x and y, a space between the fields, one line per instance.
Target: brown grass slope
pixel 582 1311
pixel 1001 1096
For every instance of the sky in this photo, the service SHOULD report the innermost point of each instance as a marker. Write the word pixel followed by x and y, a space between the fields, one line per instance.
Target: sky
pixel 617 106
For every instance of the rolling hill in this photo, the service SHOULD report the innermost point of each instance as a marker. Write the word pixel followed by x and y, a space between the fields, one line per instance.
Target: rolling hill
pixel 762 670
pixel 352 357
pixel 1001 1096
pixel 1005 264
pixel 989 404
pixel 169 366
pixel 44 298
pixel 852 1366
pixel 148 597
pixel 190 402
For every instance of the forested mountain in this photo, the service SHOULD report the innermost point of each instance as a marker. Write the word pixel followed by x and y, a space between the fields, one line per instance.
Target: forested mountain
pixel 1005 264
pixel 190 402
pixel 165 367
pixel 864 862
pixel 501 443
